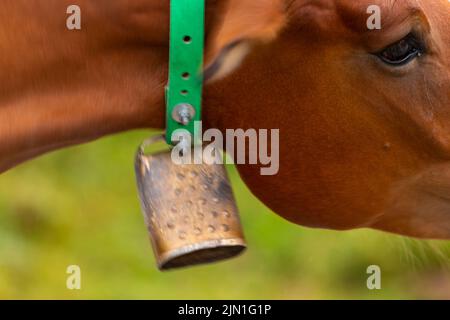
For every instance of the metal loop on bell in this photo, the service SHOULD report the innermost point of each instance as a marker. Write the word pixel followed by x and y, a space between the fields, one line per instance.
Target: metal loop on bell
pixel 150 141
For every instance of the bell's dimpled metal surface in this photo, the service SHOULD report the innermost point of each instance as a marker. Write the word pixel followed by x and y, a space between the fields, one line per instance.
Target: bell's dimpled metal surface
pixel 189 210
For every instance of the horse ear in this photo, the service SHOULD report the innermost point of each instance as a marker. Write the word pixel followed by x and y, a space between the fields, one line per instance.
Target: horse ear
pixel 243 23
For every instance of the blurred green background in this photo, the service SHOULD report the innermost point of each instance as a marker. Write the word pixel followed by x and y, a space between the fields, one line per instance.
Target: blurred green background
pixel 79 206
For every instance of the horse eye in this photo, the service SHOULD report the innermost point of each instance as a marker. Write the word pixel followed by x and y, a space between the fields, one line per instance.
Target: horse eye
pixel 402 52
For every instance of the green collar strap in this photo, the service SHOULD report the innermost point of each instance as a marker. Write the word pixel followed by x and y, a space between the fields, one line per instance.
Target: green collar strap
pixel 184 90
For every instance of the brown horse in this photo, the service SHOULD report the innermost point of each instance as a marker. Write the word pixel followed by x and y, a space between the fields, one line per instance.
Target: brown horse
pixel 363 114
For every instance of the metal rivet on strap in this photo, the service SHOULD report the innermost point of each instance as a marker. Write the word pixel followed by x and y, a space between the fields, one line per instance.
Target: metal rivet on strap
pixel 183 113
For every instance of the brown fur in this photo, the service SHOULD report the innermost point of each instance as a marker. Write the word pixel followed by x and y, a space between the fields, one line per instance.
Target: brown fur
pixel 362 145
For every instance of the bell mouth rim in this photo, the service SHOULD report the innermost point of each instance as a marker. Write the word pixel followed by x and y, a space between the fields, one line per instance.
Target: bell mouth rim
pixel 205 252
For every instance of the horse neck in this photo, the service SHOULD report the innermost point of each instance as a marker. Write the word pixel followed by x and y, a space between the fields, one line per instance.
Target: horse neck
pixel 62 87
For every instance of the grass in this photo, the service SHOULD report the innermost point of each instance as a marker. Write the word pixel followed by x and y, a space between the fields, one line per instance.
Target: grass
pixel 79 206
